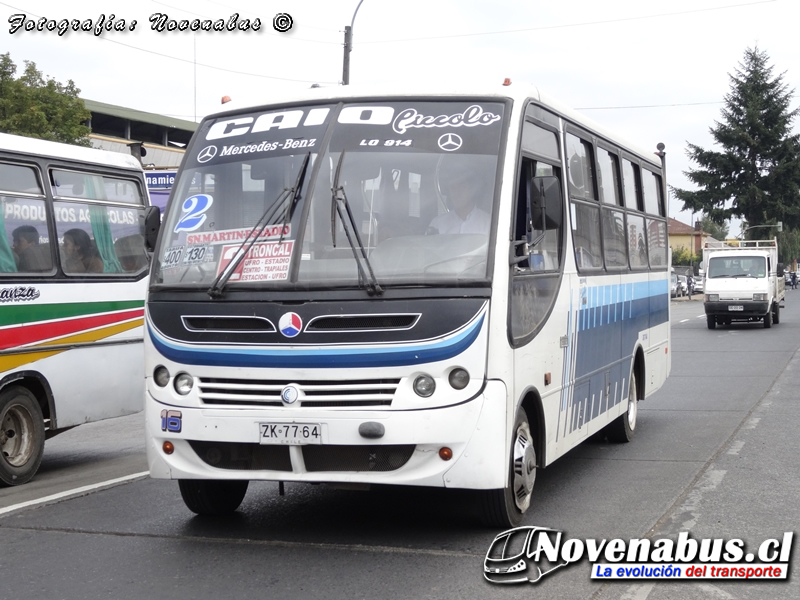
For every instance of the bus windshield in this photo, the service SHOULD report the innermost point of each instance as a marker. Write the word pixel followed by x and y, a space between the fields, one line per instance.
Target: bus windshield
pixel 383 197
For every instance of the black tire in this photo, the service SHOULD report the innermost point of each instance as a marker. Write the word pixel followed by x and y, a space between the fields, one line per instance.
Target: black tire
pixel 711 321
pixel 212 497
pixel 623 428
pixel 776 314
pixel 21 435
pixel 503 508
pixel 768 319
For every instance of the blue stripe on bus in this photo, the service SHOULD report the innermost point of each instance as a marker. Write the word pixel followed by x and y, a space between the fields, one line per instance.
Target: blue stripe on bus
pixel 320 358
pixel 608 326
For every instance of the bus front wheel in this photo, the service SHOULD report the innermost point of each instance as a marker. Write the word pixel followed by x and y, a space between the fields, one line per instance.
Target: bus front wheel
pixel 505 507
pixel 21 435
pixel 212 497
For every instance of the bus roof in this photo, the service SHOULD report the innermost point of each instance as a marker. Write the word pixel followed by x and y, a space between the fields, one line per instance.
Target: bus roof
pixel 515 92
pixel 37 147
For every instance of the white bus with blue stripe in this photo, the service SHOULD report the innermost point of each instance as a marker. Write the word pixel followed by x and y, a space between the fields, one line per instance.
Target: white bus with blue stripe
pixel 362 286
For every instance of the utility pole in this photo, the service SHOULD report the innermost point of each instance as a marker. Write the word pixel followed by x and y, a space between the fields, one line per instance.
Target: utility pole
pixel 348 46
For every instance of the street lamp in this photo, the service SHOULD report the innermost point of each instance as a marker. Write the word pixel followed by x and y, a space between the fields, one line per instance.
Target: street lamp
pixel 779 225
pixel 348 46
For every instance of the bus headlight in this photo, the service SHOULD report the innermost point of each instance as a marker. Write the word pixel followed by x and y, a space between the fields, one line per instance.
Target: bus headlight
pixel 161 376
pixel 458 378
pixel 183 383
pixel 424 386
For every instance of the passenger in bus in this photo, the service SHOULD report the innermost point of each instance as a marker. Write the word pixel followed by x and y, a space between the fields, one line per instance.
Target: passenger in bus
pixel 130 252
pixel 80 253
pixel 31 257
pixel 463 190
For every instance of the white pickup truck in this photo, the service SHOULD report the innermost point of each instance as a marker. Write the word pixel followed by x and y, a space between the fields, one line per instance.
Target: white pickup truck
pixel 743 282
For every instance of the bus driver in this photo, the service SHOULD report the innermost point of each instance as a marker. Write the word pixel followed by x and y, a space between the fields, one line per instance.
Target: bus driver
pixel 463 189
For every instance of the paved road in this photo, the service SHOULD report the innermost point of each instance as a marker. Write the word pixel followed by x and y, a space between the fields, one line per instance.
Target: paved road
pixel 715 454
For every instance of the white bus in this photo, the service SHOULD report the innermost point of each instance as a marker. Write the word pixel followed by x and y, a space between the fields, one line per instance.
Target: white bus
pixel 73 276
pixel 432 289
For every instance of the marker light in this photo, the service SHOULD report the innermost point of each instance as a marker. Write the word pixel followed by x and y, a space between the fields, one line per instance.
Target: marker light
pixel 507 81
pixel 458 378
pixel 424 385
pixel 161 376
pixel 168 448
pixel 445 453
pixel 183 383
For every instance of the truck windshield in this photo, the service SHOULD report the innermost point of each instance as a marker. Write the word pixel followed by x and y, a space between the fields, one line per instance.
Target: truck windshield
pixel 737 266
pixel 396 193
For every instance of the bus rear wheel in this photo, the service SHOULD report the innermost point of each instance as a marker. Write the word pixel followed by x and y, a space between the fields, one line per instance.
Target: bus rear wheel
pixel 212 497
pixel 623 428
pixel 505 507
pixel 21 435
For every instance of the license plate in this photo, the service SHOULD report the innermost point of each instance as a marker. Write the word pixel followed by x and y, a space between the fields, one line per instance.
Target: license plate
pixel 736 307
pixel 290 433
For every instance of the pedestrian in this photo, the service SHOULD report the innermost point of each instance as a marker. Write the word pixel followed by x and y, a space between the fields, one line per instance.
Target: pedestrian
pixel 794 280
pixel 690 285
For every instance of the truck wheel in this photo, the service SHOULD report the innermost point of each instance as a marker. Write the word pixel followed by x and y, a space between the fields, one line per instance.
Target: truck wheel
pixel 212 497
pixel 711 321
pixel 776 314
pixel 505 507
pixel 768 319
pixel 21 435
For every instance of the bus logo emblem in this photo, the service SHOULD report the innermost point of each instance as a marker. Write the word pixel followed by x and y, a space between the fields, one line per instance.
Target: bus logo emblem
pixel 450 141
pixel 290 394
pixel 206 154
pixel 290 324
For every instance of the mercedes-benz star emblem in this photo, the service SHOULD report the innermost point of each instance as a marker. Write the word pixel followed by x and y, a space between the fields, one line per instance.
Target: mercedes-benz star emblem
pixel 290 394
pixel 450 141
pixel 206 154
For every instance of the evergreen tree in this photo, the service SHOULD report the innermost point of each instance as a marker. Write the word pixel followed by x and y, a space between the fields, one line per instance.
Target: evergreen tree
pixel 719 231
pixel 37 106
pixel 756 175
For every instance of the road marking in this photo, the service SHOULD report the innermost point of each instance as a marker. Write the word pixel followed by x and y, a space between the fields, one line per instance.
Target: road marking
pixel 736 447
pixel 684 321
pixel 74 492
pixel 638 592
pixel 751 424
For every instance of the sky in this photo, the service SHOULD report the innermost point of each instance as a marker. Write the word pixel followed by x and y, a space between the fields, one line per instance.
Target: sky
pixel 652 71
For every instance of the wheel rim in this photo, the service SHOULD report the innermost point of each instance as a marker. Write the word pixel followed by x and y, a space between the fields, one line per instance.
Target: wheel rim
pixel 633 405
pixel 16 436
pixel 524 467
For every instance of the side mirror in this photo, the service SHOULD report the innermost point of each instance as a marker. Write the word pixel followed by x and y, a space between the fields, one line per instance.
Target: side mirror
pixel 545 198
pixel 152 223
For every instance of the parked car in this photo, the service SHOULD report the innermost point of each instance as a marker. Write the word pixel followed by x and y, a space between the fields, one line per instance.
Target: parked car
pixel 676 290
pixel 684 285
pixel 698 285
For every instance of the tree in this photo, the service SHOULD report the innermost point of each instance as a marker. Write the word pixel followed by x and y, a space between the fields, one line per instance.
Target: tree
pixel 756 175
pixel 719 231
pixel 37 106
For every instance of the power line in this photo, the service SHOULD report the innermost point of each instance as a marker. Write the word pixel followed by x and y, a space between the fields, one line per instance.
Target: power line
pixel 646 106
pixel 186 60
pixel 620 20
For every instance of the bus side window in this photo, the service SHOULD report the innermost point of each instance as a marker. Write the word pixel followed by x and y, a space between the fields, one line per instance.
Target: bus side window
pixel 538 228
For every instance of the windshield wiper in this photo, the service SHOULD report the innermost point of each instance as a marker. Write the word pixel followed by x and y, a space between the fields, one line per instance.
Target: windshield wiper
pixel 215 291
pixel 337 202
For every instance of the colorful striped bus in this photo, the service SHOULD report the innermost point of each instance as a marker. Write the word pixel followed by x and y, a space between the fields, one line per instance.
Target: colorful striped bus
pixel 73 275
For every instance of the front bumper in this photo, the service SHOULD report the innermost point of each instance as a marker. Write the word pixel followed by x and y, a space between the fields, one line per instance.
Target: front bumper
pixel 224 444
pixel 728 309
